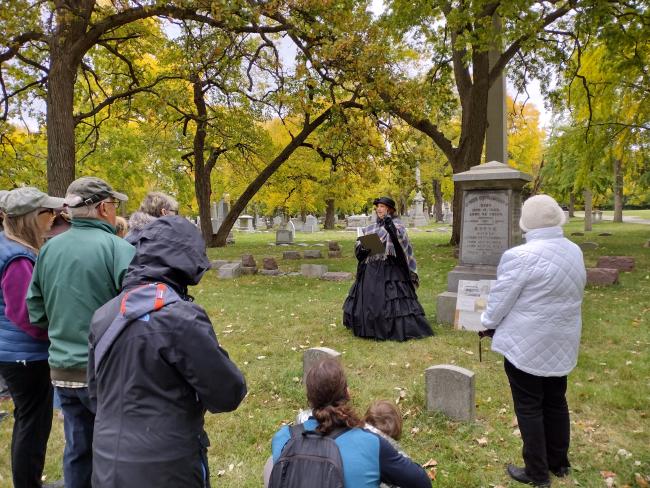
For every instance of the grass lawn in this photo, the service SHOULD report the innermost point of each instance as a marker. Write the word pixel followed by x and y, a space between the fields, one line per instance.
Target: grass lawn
pixel 266 322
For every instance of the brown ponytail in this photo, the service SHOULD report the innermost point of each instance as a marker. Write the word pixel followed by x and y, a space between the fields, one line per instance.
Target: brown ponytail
pixel 327 393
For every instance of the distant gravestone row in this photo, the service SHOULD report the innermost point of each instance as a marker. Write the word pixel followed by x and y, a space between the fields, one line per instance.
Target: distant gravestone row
pixel 248 266
pixel 449 389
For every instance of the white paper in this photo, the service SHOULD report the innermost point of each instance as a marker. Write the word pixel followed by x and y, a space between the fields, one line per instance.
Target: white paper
pixel 470 303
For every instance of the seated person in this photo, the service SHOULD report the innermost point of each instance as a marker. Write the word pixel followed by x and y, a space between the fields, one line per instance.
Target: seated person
pixel 368 459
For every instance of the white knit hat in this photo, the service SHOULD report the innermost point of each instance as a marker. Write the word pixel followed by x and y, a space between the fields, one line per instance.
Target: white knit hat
pixel 541 211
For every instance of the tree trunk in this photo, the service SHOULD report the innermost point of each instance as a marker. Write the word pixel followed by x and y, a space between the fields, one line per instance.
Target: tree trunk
pixel 572 204
pixel 329 214
pixel 202 183
pixel 437 199
pixel 60 122
pixel 618 191
pixel 587 195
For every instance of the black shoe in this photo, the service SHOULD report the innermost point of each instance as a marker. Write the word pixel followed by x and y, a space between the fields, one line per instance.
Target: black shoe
pixel 519 474
pixel 562 471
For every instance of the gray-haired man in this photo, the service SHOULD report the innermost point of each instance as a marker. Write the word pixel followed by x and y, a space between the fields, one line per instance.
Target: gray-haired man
pixel 76 273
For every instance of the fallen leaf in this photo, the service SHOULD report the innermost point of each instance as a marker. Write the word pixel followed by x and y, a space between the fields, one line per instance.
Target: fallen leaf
pixel 430 463
pixel 431 473
pixel 415 430
pixel 482 441
pixel 641 481
pixel 221 472
pixel 607 474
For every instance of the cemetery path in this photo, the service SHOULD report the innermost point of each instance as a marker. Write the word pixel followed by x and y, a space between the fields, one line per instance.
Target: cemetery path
pixel 630 219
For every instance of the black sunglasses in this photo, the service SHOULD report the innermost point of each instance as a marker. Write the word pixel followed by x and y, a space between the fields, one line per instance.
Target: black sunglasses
pixel 46 210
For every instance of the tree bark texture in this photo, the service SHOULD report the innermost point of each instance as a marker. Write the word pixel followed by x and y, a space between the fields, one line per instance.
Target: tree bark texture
pixel 618 191
pixel 202 170
pixel 329 213
pixel 572 204
pixel 72 18
pixel 588 208
pixel 437 200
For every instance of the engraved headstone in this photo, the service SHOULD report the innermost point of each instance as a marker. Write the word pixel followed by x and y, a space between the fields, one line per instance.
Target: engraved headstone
pixel 314 355
pixel 485 229
pixel 490 212
pixel 450 390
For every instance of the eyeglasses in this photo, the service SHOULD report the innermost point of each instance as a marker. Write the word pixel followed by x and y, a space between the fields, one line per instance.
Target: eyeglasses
pixel 46 210
pixel 114 202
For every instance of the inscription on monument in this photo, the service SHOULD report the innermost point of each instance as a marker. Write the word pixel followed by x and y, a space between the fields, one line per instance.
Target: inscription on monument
pixel 485 227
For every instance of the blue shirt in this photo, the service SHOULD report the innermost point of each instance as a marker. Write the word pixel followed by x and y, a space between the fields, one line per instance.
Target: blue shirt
pixel 367 459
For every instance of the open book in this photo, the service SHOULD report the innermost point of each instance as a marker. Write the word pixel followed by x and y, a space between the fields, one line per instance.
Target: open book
pixel 373 243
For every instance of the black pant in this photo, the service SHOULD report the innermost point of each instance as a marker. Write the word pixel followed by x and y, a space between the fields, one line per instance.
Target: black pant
pixel 31 391
pixel 543 417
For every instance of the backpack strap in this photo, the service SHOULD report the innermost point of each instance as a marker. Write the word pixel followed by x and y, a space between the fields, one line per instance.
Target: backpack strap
pixel 163 296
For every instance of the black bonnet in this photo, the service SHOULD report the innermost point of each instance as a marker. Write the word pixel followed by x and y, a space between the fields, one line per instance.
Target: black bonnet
pixel 389 202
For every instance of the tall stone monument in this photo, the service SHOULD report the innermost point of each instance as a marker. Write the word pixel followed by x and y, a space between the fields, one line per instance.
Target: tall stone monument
pixel 418 216
pixel 490 211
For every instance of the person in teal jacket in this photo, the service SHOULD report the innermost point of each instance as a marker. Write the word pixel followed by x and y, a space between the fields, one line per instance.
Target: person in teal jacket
pixel 76 273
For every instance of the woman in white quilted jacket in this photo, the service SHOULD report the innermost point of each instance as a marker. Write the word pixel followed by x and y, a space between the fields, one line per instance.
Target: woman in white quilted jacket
pixel 534 311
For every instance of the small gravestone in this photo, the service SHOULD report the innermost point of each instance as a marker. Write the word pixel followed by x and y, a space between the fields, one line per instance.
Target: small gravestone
pixel 249 270
pixel 229 270
pixel 647 243
pixel 450 390
pixel 313 254
pixel 311 224
pixel 314 355
pixel 333 246
pixel 283 236
pixel 248 260
pixel 605 234
pixel 337 276
pixel 577 233
pixel 291 255
pixel 622 263
pixel 334 254
pixel 587 246
pixel 313 270
pixel 602 276
pixel 269 263
pixel 218 263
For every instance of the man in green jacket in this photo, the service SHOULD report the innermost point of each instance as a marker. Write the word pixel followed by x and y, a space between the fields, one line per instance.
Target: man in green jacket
pixel 75 274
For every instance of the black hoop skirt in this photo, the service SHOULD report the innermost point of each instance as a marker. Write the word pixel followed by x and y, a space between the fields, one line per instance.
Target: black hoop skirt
pixel 383 305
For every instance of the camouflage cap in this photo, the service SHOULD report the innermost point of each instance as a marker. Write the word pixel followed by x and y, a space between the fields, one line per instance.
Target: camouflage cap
pixel 21 201
pixel 89 190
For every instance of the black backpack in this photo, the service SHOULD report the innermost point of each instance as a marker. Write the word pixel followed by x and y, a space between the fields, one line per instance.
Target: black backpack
pixel 309 460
